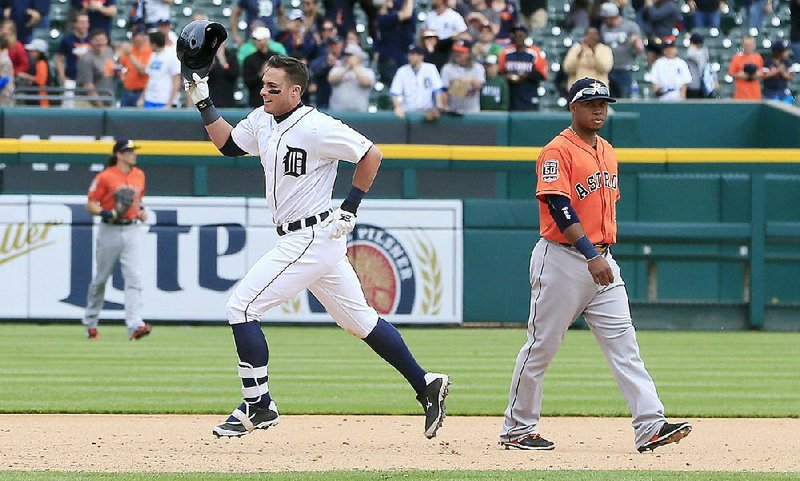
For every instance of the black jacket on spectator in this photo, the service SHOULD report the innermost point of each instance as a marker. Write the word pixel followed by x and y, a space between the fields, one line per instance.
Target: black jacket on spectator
pixel 251 74
pixel 222 81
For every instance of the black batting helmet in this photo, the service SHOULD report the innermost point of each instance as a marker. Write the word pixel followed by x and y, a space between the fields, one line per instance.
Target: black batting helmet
pixel 197 46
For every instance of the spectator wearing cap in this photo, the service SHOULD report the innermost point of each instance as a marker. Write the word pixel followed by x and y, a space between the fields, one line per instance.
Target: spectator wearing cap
pixel 707 13
pixel 6 74
pixel 446 22
pixel 321 66
pixel 170 38
pixel 295 38
pixel 223 77
pixel 417 86
pixel 351 81
pixel 494 93
pixel 704 81
pixel 96 69
pixel 396 30
pixel 588 58
pixel 101 14
pixel 509 18
pixel 778 73
pixel 16 49
pixel 163 75
pixel 134 57
pixel 670 74
pixel 485 45
pixel 746 68
pixel 39 72
pixel 254 66
pixel 246 49
pixel 266 11
pixel 660 17
pixel 524 66
pixel 624 38
pixel 463 78
pixel 434 49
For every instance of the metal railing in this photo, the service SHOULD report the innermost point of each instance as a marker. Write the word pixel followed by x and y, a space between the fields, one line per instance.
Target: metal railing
pixel 34 93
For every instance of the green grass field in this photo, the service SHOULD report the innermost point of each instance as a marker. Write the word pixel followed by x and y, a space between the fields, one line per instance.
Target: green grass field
pixel 192 370
pixel 54 369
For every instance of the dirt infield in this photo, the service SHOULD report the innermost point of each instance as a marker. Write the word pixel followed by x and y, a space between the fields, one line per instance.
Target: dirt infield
pixel 173 443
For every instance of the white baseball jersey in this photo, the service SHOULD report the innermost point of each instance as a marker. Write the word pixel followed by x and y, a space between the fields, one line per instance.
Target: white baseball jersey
pixel 449 24
pixel 300 156
pixel 416 88
pixel 670 74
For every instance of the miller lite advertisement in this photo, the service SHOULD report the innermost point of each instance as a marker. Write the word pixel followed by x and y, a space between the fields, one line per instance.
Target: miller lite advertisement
pixel 407 254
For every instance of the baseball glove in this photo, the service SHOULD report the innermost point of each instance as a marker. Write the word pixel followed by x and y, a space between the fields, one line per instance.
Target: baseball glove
pixel 123 200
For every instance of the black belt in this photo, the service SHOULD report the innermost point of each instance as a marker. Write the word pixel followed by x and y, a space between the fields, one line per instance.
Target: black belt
pixel 284 229
pixel 601 248
pixel 120 222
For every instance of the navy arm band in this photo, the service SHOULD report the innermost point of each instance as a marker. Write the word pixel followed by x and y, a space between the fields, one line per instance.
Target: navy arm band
pixel 585 247
pixel 353 199
pixel 230 149
pixel 562 211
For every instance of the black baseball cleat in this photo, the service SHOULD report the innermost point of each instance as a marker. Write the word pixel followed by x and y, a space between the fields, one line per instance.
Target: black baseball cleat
pixel 432 400
pixel 247 418
pixel 669 433
pixel 530 442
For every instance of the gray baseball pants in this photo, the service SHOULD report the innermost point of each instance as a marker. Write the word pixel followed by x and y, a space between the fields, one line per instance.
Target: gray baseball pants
pixel 116 243
pixel 561 290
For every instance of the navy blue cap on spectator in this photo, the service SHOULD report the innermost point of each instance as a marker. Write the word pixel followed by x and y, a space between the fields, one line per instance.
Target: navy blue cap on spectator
pixel 334 39
pixel 696 39
pixel 124 144
pixel 139 29
pixel 588 88
pixel 163 21
pixel 779 46
pixel 414 48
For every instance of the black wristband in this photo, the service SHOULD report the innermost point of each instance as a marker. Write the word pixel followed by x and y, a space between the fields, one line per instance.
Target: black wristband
pixel 208 113
pixel 349 207
pixel 107 215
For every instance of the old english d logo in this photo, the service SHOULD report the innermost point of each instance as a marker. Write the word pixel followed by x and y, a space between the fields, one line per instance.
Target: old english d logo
pixel 294 162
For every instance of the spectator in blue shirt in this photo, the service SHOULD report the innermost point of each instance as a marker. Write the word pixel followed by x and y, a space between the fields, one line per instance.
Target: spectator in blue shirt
pixel 396 29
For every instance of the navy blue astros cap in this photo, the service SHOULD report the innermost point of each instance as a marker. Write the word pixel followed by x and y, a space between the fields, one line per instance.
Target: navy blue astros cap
pixel 587 88
pixel 124 144
pixel 414 48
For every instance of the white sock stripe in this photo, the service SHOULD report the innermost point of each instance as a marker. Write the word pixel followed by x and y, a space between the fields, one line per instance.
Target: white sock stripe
pixel 246 371
pixel 255 391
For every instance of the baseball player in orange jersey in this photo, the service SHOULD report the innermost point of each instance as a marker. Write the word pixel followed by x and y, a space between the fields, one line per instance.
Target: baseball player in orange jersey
pixel 573 273
pixel 116 196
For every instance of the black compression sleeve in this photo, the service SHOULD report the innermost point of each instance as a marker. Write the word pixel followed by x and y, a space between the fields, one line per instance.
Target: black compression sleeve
pixel 562 211
pixel 230 149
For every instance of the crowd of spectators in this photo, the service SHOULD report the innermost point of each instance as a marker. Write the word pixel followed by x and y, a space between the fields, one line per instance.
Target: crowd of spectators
pixel 451 57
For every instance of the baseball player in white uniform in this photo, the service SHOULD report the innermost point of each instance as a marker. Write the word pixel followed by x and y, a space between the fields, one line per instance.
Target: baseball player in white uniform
pixel 300 148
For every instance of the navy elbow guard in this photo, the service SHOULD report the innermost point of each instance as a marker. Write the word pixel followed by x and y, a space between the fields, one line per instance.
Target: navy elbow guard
pixel 562 211
pixel 230 149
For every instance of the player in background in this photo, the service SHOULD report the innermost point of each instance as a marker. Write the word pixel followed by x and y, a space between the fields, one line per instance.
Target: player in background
pixel 573 273
pixel 116 196
pixel 300 148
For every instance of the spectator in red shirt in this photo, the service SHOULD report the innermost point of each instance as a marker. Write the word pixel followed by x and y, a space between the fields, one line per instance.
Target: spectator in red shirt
pixel 16 51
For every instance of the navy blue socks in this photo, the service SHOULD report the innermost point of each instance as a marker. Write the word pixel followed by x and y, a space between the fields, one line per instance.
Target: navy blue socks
pixel 251 345
pixel 387 342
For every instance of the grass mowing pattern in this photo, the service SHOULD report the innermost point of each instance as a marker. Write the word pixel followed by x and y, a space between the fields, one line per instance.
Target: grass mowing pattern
pixel 411 476
pixel 179 369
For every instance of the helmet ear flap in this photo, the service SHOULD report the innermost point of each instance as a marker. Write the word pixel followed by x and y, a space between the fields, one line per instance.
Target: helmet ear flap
pixel 197 46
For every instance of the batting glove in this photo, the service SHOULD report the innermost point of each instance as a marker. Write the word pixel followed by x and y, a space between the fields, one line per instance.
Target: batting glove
pixel 343 223
pixel 197 89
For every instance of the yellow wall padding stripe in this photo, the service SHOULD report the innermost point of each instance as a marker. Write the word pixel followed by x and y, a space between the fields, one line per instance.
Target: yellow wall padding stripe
pixel 423 152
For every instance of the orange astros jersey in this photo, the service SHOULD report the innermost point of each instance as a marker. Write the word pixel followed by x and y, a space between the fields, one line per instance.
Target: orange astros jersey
pixel 110 180
pixel 588 177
